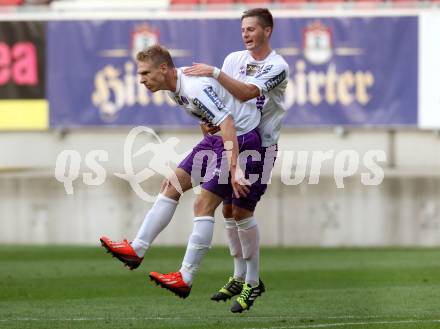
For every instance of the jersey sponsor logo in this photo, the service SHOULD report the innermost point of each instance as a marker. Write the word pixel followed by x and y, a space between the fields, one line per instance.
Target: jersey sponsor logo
pixel 206 113
pixel 252 69
pixel 264 70
pixel 214 98
pixel 275 81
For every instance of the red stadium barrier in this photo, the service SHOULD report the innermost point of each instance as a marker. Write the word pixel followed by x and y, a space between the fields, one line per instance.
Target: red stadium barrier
pixel 329 1
pixel 290 1
pixel 259 2
pixel 209 2
pixel 184 2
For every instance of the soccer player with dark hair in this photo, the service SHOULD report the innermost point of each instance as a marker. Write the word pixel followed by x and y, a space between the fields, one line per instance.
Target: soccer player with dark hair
pixel 257 77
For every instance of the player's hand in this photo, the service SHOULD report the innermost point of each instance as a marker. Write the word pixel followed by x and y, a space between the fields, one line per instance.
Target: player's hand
pixel 240 185
pixel 208 128
pixel 199 70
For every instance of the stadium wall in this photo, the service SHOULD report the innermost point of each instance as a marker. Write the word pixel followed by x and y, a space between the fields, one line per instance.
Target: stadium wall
pixel 403 209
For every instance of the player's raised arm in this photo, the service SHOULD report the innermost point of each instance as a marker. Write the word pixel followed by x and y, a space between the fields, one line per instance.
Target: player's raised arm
pixel 240 90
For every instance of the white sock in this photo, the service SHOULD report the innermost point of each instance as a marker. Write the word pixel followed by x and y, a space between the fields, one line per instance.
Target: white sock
pixel 198 244
pixel 235 249
pixel 155 221
pixel 250 245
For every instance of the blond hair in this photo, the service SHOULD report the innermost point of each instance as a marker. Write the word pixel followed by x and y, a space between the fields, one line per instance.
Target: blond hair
pixel 157 54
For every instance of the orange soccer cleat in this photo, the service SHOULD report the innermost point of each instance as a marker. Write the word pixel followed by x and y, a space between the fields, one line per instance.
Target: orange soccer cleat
pixel 173 282
pixel 122 251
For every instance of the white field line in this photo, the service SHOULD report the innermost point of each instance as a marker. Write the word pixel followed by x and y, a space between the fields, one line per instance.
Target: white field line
pixel 345 324
pixel 237 318
pixel 176 318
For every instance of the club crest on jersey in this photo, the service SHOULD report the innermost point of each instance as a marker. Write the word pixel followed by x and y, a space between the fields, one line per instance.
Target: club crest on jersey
pixel 177 99
pixel 143 36
pixel 318 43
pixel 252 69
pixel 181 100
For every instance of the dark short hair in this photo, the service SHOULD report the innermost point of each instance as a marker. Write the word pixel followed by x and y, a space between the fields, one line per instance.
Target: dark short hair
pixel 157 54
pixel 263 15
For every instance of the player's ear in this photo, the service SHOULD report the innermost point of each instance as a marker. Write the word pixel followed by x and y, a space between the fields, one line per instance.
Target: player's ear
pixel 268 31
pixel 163 67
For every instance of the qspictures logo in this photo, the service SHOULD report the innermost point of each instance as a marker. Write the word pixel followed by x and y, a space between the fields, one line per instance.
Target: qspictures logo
pixel 297 167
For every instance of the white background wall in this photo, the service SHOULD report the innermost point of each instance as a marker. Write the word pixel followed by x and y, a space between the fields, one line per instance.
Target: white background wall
pixel 403 210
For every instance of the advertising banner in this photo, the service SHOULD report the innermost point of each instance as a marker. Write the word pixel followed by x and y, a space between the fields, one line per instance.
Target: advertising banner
pixel 351 71
pixel 429 71
pixel 344 71
pixel 22 76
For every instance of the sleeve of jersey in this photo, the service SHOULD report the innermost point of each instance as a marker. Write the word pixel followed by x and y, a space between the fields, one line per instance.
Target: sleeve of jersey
pixel 211 106
pixel 270 77
pixel 227 65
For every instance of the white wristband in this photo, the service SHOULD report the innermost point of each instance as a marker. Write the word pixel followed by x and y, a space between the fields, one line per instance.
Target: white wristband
pixel 215 72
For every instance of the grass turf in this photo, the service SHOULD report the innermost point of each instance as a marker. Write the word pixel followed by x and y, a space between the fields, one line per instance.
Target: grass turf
pixel 83 287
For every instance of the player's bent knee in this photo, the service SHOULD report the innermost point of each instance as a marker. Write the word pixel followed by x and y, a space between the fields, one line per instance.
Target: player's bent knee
pixel 202 207
pixel 241 213
pixel 169 190
pixel 206 203
pixel 227 211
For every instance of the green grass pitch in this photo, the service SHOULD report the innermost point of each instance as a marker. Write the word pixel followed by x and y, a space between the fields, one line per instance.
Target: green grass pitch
pixel 83 287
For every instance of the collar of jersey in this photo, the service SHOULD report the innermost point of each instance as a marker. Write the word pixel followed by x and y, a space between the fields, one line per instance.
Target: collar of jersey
pixel 263 60
pixel 179 81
